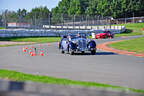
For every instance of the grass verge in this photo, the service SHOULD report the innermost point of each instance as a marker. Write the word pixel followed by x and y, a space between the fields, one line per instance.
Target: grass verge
pixel 131 29
pixel 134 45
pixel 18 76
pixel 7 45
pixel 2 28
pixel 32 39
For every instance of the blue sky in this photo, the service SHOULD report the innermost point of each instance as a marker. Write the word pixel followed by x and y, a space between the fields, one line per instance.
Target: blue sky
pixel 27 4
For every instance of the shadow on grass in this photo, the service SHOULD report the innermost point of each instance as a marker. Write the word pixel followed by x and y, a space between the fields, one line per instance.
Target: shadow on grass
pixel 127 31
pixel 5 39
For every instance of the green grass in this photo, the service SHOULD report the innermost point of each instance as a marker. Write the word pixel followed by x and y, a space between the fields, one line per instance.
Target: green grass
pixel 17 76
pixel 131 29
pixel 134 45
pixel 2 28
pixel 32 39
pixel 7 45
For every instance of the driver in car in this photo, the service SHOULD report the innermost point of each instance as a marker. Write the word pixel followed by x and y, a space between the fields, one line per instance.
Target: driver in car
pixel 69 37
pixel 78 35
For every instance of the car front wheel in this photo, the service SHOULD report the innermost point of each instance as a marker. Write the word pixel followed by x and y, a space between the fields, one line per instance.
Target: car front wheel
pixel 105 36
pixel 93 52
pixel 83 52
pixel 71 52
pixel 62 52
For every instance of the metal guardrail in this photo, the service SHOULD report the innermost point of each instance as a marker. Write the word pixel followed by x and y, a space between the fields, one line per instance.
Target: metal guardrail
pixel 11 88
pixel 83 27
pixel 45 32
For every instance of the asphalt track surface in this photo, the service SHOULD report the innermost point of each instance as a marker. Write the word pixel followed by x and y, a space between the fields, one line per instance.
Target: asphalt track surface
pixel 103 67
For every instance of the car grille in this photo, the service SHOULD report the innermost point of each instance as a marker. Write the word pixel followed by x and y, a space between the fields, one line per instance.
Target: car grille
pixel 82 45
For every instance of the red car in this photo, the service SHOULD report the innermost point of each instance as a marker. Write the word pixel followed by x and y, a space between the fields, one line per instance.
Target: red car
pixel 104 34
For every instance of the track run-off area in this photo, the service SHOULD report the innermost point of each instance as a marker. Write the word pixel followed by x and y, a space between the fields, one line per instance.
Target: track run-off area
pixel 103 67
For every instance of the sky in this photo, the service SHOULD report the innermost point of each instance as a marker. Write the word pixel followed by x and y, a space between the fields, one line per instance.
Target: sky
pixel 14 5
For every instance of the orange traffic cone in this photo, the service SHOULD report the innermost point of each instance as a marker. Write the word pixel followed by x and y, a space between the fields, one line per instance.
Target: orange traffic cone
pixel 30 51
pixel 48 44
pixel 31 46
pixel 31 54
pixel 34 54
pixel 41 53
pixel 24 50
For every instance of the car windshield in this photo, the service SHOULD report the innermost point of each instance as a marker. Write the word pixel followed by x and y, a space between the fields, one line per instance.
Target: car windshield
pixel 73 36
pixel 82 35
pixel 101 32
pixel 107 32
pixel 76 36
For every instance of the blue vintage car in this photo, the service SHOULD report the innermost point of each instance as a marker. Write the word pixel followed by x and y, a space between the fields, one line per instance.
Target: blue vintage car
pixel 77 43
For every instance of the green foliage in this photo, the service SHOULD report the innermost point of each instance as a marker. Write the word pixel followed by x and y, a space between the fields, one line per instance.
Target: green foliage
pixel 75 7
pixel 23 16
pixel 32 39
pixel 131 29
pixel 17 76
pixel 38 13
pixel 11 16
pixel 2 28
pixel 114 8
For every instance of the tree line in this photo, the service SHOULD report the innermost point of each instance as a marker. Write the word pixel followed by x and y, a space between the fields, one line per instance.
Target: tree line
pixel 112 8
pixel 22 14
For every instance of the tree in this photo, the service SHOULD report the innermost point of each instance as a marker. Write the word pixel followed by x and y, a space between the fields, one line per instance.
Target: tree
pixel 39 13
pixel 75 7
pixel 114 8
pixel 91 9
pixel 24 12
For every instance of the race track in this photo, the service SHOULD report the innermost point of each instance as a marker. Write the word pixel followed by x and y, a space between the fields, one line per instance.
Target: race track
pixel 104 67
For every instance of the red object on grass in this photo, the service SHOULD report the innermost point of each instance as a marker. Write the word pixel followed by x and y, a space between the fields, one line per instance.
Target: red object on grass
pixel 143 28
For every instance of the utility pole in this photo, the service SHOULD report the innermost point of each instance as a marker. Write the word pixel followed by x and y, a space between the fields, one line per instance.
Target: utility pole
pixel 133 18
pixel 35 21
pixel 49 20
pixel 73 21
pixel 5 19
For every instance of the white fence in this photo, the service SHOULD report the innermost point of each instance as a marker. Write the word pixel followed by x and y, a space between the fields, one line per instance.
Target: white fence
pixel 114 29
pixel 84 27
pixel 45 32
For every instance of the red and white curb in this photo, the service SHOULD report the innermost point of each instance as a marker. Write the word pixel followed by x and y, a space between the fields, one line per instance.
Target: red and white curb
pixel 104 46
